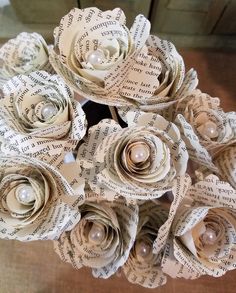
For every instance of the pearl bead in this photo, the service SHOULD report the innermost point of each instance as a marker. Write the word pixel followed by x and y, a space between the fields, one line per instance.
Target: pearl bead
pixel 142 249
pixel 48 111
pixel 96 234
pixel 25 193
pixel 96 57
pixel 139 154
pixel 209 236
pixel 210 129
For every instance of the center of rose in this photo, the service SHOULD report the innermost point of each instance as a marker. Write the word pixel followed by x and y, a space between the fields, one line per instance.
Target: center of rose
pixel 96 57
pixel 45 110
pixel 209 237
pixel 209 129
pixel 143 250
pixel 48 111
pixel 25 194
pixel 96 233
pixel 139 153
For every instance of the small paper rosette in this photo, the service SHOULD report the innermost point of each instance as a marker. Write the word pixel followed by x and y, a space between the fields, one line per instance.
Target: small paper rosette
pixel 26 53
pixel 137 162
pixel 214 128
pixel 102 239
pixel 203 232
pixel 143 267
pixel 94 51
pixel 39 115
pixel 225 160
pixel 37 203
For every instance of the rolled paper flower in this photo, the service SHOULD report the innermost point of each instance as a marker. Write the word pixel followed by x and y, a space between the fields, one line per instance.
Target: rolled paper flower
pixel 39 115
pixel 204 231
pixel 213 126
pixel 102 239
pixel 26 53
pixel 196 151
pixel 225 160
pixel 94 49
pixel 105 62
pixel 37 203
pixel 143 267
pixel 137 162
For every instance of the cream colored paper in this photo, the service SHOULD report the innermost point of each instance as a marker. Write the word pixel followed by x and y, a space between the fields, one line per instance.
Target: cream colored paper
pixel 147 271
pixel 120 225
pixel 83 31
pixel 199 109
pixel 180 187
pixel 196 151
pixel 213 205
pixel 225 160
pixel 26 53
pixel 107 167
pixel 21 119
pixel 53 208
pixel 164 105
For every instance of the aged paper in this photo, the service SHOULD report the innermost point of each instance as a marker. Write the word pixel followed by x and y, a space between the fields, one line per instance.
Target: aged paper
pixel 51 209
pixel 212 207
pixel 26 53
pixel 109 169
pixel 119 222
pixel 146 271
pixel 23 125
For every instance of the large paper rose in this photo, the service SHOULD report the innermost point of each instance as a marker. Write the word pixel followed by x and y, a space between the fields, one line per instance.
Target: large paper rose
pixel 214 128
pixel 39 115
pixel 204 231
pixel 26 53
pixel 143 267
pixel 102 60
pixel 94 49
pixel 102 239
pixel 225 160
pixel 137 162
pixel 37 203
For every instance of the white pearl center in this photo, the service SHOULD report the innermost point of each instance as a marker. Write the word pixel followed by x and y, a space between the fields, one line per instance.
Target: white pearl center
pixel 95 57
pixel 143 249
pixel 209 236
pixel 25 193
pixel 96 234
pixel 139 154
pixel 48 111
pixel 210 129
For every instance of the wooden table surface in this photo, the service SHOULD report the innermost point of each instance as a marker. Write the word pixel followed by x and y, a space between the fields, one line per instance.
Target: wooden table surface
pixel 35 268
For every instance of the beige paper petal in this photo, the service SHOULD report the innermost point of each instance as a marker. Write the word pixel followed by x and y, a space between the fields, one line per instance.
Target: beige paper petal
pixel 54 205
pixel 22 124
pixel 26 53
pixel 120 224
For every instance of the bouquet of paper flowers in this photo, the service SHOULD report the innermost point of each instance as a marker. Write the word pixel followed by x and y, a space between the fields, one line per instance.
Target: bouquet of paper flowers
pixel 150 192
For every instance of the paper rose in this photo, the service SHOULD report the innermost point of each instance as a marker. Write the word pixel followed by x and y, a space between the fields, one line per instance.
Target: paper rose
pixel 94 49
pixel 137 162
pixel 225 160
pixel 39 115
pixel 26 53
pixel 143 267
pixel 102 239
pixel 105 62
pixel 204 231
pixel 37 203
pixel 213 126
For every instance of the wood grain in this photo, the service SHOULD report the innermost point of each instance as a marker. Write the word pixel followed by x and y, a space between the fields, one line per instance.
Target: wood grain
pixel 35 268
